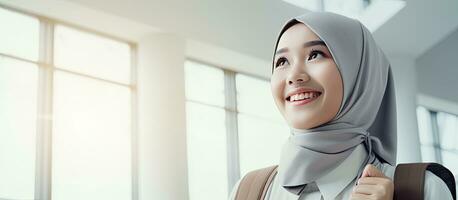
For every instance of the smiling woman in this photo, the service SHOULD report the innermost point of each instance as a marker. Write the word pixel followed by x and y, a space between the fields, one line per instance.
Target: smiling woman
pixel 306 82
pixel 334 87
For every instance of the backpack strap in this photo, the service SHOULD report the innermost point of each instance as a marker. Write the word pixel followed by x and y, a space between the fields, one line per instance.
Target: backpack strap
pixel 409 179
pixel 445 174
pixel 255 184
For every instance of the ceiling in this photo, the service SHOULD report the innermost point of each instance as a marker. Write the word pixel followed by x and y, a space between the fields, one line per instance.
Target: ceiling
pixel 251 26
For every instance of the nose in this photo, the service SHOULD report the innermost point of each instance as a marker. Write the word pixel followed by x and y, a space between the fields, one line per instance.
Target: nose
pixel 297 77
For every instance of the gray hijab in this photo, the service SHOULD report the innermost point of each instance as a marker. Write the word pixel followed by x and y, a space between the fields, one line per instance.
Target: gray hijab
pixel 367 114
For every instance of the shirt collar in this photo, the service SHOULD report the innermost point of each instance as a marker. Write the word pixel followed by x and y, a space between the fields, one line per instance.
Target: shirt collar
pixel 333 183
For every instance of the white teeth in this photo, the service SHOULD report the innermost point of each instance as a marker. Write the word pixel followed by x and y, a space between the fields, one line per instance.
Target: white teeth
pixel 307 95
pixel 302 96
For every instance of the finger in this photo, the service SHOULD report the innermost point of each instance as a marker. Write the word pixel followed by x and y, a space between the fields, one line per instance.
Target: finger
pixel 357 196
pixel 365 189
pixel 372 171
pixel 373 180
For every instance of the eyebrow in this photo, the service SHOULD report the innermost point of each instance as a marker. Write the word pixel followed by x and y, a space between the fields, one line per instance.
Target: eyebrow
pixel 307 44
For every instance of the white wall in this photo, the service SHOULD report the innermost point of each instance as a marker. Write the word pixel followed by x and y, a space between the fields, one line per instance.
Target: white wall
pixel 162 118
pixel 438 70
pixel 405 86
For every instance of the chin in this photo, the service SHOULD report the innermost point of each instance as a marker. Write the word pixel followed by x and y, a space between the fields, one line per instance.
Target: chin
pixel 303 122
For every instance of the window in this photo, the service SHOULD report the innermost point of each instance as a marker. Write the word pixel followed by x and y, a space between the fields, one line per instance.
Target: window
pixel 19 36
pixel 66 100
pixel 93 55
pixel 228 114
pixel 206 132
pixel 261 128
pixel 92 123
pixel 18 104
pixel 438 138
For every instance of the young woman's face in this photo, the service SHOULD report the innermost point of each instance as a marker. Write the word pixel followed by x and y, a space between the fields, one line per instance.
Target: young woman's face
pixel 306 84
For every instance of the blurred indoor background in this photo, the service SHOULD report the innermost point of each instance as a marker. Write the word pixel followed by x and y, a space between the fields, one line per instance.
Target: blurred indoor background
pixel 170 100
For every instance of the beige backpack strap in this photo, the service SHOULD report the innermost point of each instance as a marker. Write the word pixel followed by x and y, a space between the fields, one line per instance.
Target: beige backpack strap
pixel 255 184
pixel 409 180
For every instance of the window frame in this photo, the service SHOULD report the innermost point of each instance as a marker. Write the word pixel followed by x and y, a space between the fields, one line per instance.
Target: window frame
pixel 46 69
pixel 230 108
pixel 433 111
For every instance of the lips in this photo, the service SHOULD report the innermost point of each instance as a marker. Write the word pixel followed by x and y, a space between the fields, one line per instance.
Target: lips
pixel 302 96
pixel 302 93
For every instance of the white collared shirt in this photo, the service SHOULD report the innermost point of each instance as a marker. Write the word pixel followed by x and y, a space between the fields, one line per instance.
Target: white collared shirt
pixel 338 184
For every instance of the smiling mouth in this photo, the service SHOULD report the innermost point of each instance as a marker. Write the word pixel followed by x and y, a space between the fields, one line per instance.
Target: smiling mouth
pixel 303 98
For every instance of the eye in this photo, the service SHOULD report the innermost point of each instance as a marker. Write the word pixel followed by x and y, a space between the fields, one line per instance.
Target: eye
pixel 314 54
pixel 281 61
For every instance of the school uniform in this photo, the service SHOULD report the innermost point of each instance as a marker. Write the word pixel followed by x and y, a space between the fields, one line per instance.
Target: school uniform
pixel 338 184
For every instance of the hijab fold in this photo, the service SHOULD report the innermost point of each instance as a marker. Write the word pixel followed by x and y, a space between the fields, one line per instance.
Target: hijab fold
pixel 367 113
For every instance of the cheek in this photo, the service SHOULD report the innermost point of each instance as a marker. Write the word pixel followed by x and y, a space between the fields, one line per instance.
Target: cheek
pixel 322 72
pixel 331 81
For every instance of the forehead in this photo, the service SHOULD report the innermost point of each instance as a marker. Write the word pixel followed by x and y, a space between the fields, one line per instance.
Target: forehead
pixel 296 35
